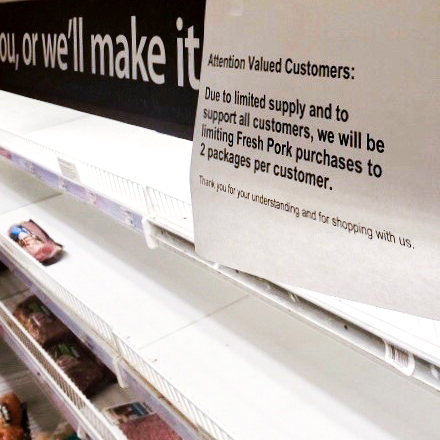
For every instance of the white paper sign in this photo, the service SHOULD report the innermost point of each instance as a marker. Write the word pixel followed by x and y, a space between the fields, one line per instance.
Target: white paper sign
pixel 316 158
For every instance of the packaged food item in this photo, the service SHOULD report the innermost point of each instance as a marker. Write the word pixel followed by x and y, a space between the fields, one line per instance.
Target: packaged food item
pixel 40 322
pixel 148 428
pixel 11 433
pixel 80 365
pixel 36 242
pixel 14 420
pixel 138 422
pixel 10 410
pixel 126 412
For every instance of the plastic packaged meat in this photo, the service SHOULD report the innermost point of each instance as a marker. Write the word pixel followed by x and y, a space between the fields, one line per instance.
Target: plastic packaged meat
pixel 14 420
pixel 10 417
pixel 148 428
pixel 10 410
pixel 138 422
pixel 40 322
pixel 36 242
pixel 80 365
pixel 11 433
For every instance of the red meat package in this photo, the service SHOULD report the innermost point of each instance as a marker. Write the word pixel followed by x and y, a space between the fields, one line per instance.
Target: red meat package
pixel 40 322
pixel 36 242
pixel 81 366
pixel 11 433
pixel 10 410
pixel 14 419
pixel 11 418
pixel 138 422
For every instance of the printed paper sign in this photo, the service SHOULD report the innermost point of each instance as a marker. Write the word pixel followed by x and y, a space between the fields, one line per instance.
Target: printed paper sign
pixel 316 155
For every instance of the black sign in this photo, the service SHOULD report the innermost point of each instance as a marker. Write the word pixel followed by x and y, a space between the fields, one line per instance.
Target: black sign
pixel 135 61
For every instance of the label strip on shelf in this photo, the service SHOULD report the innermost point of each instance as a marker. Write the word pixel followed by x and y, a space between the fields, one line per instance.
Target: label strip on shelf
pixel 400 359
pixel 68 170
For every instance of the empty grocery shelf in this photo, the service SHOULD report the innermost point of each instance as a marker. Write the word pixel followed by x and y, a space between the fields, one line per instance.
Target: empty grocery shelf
pixel 231 363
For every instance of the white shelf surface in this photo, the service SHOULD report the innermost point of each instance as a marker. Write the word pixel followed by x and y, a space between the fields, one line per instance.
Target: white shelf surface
pixel 153 160
pixel 269 376
pixel 19 189
pixel 149 153
pixel 109 269
pixel 21 115
pixel 254 370
pixel 149 158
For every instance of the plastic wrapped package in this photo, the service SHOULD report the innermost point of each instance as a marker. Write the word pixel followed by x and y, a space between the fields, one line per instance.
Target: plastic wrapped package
pixel 10 410
pixel 11 433
pixel 11 417
pixel 138 422
pixel 148 428
pixel 40 322
pixel 36 242
pixel 81 366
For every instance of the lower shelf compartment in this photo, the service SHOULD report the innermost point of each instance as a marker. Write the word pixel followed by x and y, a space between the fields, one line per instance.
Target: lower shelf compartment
pixel 219 356
pixel 85 415
pixel 75 407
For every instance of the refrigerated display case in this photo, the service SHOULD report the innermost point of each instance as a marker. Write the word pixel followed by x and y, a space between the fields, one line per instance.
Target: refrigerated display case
pixel 217 353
